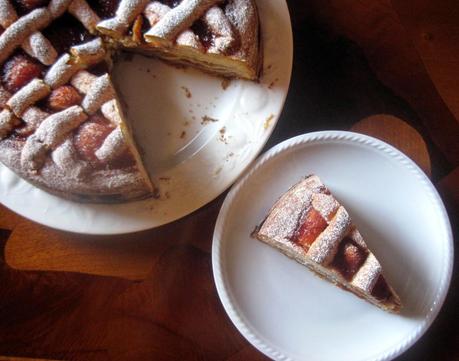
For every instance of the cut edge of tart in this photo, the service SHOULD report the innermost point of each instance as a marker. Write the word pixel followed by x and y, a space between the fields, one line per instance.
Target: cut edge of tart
pixel 310 226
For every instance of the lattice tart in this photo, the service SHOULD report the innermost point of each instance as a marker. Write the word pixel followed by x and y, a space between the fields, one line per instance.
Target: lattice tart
pixel 61 124
pixel 309 225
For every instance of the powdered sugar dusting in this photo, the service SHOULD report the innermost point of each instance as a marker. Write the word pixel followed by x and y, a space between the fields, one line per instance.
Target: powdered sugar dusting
pixel 126 13
pixel 355 235
pixel 33 117
pixel 37 46
pixel 221 28
pixel 324 248
pixel 82 81
pixel 155 11
pixel 325 204
pixel 94 185
pixel 90 52
pixel 65 157
pixel 28 95
pixel 83 12
pixel 111 112
pixel 17 32
pixel 179 18
pixel 7 122
pixel 100 91
pixel 283 218
pixel 58 7
pixel 113 146
pixel 366 277
pixel 4 96
pixel 7 13
pixel 61 72
pixel 49 134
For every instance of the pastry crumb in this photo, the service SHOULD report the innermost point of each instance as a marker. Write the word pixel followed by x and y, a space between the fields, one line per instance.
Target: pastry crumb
pixel 225 83
pixel 271 85
pixel 206 120
pixel 222 135
pixel 187 91
pixel 268 121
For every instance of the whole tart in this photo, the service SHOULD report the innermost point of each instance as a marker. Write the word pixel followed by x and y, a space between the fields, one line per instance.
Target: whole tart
pixel 309 225
pixel 62 126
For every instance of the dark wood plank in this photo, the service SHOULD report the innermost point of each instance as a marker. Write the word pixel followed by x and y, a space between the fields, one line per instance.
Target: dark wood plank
pixel 162 304
pixel 398 133
pixel 376 28
pixel 34 247
pixel 434 30
pixel 8 219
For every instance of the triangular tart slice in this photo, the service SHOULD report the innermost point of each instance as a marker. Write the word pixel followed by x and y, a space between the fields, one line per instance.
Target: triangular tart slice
pixel 309 225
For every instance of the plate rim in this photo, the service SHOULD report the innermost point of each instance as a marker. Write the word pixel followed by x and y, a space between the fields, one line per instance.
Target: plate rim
pixel 227 299
pixel 228 182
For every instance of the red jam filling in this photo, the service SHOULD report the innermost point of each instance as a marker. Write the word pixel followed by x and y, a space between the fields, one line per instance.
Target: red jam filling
pixel 105 8
pixel 311 225
pixel 381 289
pixel 349 258
pixel 65 32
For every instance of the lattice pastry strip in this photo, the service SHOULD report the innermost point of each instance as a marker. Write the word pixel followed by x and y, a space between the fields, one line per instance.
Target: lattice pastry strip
pixel 50 133
pixel 367 276
pixel 82 81
pixel 126 13
pixel 36 45
pixel 83 12
pixel 100 91
pixel 7 122
pixel 324 249
pixel 214 18
pixel 20 30
pixel 26 96
pixel 61 72
pixel 112 111
pixel 113 146
pixel 156 10
pixel 4 96
pixel 32 117
pixel 178 19
pixel 221 29
pixel 65 157
pixel 66 67
pixel 89 84
pixel 58 7
pixel 89 53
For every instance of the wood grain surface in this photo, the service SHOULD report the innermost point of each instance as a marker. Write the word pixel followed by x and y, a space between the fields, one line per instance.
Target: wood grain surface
pixel 383 68
pixel 398 133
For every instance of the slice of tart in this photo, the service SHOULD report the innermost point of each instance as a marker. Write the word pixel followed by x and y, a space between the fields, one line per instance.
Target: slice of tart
pixel 309 225
pixel 219 37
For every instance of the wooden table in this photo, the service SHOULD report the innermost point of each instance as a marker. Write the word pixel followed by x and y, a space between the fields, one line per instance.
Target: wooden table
pixel 381 67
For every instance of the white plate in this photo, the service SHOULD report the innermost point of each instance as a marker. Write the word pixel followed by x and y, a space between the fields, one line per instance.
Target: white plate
pixel 290 314
pixel 191 162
